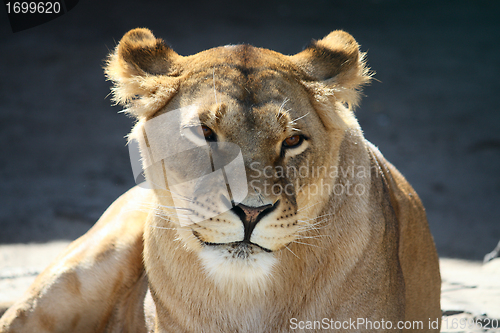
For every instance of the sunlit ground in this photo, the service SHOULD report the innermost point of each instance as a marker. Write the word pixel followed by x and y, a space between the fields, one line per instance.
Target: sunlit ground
pixel 470 296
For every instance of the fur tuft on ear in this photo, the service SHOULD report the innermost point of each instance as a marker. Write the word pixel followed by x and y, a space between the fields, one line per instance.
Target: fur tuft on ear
pixel 144 72
pixel 337 65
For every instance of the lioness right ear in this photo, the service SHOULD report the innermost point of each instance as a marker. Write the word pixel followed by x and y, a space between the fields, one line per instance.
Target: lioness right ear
pixel 143 69
pixel 335 61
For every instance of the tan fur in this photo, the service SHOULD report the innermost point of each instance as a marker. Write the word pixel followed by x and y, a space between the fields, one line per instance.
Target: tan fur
pixel 320 254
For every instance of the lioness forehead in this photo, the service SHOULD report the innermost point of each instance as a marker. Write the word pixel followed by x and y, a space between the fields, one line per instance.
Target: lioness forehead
pixel 243 86
pixel 251 75
pixel 248 59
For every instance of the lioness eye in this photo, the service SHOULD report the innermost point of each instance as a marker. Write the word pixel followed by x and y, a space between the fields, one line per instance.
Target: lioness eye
pixel 206 132
pixel 293 141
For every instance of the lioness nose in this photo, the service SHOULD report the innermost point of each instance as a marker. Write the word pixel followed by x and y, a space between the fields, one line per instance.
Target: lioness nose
pixel 250 216
pixel 251 213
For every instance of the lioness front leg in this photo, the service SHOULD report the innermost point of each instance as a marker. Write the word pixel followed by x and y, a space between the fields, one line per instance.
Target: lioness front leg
pixel 96 284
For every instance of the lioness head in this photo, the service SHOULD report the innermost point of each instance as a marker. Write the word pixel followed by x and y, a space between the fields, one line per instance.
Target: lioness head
pixel 240 143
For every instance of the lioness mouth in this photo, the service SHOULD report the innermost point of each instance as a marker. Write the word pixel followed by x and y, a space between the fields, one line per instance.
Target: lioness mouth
pixel 242 249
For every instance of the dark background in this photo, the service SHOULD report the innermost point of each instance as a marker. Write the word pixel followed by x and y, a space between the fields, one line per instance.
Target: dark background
pixel 434 112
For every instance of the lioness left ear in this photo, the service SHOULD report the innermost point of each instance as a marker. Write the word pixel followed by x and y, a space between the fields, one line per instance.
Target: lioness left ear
pixel 336 62
pixel 144 71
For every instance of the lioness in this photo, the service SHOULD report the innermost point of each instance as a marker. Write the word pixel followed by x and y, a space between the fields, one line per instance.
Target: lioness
pixel 324 233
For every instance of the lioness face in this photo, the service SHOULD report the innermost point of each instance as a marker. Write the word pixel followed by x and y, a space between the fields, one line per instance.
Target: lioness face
pixel 255 104
pixel 266 112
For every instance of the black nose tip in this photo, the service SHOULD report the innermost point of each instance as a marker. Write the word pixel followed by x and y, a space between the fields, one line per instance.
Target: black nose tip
pixel 250 216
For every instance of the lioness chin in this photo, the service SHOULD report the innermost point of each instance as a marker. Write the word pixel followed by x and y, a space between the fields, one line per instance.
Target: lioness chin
pixel 267 210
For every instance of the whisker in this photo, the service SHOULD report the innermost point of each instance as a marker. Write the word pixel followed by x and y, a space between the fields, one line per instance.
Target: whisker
pixel 307 207
pixel 291 251
pixel 176 208
pixel 315 226
pixel 294 121
pixel 295 241
pixel 282 106
pixel 167 217
pixel 314 237
pixel 157 227
pixel 316 217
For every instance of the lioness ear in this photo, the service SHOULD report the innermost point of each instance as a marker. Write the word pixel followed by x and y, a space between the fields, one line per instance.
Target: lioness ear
pixel 335 61
pixel 143 70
